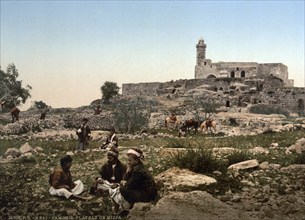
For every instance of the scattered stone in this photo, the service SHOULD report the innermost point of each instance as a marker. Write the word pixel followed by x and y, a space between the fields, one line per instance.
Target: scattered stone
pixel 13 152
pixel 26 148
pixel 244 165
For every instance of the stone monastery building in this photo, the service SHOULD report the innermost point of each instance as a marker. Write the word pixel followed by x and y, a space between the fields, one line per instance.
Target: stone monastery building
pixel 205 68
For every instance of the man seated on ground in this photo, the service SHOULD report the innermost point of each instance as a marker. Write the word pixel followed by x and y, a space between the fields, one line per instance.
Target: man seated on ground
pixel 138 184
pixel 112 140
pixel 61 181
pixel 112 172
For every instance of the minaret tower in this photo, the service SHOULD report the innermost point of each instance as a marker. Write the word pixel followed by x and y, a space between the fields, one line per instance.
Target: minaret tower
pixel 201 46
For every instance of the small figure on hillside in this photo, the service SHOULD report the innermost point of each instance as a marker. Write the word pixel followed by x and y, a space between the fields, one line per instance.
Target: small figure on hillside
pixel 112 140
pixel 97 110
pixel 111 172
pixel 61 181
pixel 138 184
pixel 15 114
pixel 172 119
pixel 2 104
pixel 43 114
pixel 182 130
pixel 83 134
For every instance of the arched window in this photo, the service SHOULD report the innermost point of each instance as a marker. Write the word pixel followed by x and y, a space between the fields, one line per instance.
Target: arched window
pixel 242 74
pixel 211 76
pixel 232 74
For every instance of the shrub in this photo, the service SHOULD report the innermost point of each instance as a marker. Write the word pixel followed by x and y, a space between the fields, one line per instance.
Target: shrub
pixel 175 143
pixel 239 156
pixel 198 160
pixel 23 160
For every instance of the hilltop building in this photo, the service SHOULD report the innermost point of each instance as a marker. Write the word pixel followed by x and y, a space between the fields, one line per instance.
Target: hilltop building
pixel 230 84
pixel 205 68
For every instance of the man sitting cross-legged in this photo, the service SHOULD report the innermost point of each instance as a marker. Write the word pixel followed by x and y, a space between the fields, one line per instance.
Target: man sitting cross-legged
pixel 112 172
pixel 61 181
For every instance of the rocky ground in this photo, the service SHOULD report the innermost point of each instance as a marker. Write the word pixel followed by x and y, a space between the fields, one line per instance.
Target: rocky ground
pixel 269 190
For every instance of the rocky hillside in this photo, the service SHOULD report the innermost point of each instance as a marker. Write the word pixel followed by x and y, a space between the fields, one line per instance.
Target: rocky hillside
pixel 269 188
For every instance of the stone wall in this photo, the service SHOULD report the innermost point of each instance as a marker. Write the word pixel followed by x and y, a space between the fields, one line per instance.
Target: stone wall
pixel 291 99
pixel 268 90
pixel 276 69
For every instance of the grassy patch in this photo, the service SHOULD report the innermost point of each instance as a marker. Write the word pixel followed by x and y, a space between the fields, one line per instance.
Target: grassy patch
pixel 239 156
pixel 299 158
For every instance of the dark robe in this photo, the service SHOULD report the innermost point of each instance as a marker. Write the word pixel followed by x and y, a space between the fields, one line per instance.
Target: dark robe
pixel 118 172
pixel 140 185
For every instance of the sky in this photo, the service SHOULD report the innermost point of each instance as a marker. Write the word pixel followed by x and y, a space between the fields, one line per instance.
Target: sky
pixel 66 50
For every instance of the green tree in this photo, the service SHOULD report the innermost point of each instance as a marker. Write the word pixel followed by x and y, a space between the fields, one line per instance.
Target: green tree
pixel 40 104
pixel 131 114
pixel 197 106
pixel 109 90
pixel 11 90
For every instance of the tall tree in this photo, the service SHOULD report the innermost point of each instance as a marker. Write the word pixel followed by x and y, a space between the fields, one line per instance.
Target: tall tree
pixel 132 114
pixel 11 90
pixel 109 90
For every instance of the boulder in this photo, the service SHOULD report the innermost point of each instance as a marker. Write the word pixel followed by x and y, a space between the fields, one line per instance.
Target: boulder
pixel 248 164
pixel 298 147
pixel 259 150
pixel 189 205
pixel 26 148
pixel 182 179
pixel 13 152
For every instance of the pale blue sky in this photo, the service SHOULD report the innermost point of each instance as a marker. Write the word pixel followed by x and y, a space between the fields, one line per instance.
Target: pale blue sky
pixel 66 50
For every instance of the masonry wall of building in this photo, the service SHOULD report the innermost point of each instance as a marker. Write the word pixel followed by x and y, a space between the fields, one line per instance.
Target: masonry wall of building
pixel 276 69
pixel 139 89
pixel 291 99
pixel 242 69
pixel 205 68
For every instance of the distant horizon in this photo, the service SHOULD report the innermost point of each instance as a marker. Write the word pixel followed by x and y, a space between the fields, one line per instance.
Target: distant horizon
pixel 66 50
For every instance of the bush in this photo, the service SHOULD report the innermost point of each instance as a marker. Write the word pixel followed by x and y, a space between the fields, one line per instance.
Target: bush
pixel 23 160
pixel 198 160
pixel 239 156
pixel 174 143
